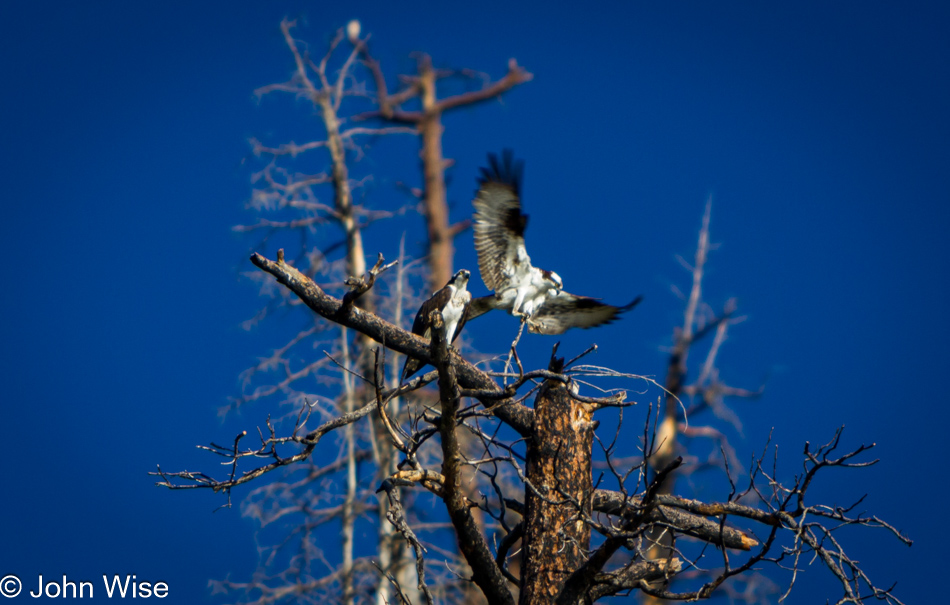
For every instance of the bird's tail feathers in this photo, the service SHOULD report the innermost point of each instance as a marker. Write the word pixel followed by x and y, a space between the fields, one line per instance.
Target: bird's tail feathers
pixel 411 366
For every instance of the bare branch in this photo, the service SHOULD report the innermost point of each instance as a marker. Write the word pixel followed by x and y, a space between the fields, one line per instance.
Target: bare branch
pixel 516 75
pixel 397 518
pixel 393 337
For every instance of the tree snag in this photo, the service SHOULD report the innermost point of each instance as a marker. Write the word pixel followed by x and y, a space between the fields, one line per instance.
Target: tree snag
pixel 558 491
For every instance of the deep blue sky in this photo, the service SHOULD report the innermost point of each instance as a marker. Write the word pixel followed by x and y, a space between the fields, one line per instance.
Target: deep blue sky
pixel 821 131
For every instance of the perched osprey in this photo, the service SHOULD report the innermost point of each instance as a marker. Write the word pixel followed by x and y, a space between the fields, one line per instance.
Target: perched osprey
pixel 453 301
pixel 535 295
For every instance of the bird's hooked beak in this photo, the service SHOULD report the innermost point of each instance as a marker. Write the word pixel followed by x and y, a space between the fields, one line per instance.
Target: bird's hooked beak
pixel 461 277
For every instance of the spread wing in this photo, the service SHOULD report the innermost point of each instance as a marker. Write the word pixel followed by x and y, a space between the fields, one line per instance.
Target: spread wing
pixel 560 313
pixel 499 223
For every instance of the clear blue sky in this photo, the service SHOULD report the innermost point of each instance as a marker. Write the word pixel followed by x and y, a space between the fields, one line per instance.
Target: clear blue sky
pixel 821 131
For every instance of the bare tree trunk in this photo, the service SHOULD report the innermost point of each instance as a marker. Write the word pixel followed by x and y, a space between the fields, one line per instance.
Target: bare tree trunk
pixel 558 495
pixel 441 251
pixel 355 266
pixel 349 502
pixel 392 551
pixel 343 196
pixel 665 445
pixel 429 124
pixel 485 572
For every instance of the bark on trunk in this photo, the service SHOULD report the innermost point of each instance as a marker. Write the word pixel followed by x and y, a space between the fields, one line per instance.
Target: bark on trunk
pixel 556 537
pixel 436 205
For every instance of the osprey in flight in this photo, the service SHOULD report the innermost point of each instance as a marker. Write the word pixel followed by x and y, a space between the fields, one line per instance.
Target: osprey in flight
pixel 535 295
pixel 453 301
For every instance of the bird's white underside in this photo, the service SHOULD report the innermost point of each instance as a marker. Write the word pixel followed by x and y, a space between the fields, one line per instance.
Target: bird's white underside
pixel 452 313
pixel 525 293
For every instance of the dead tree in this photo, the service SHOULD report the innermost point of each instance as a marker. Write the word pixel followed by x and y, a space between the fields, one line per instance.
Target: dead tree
pixel 677 421
pixel 428 120
pixel 559 505
pixel 552 533
pixel 348 91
